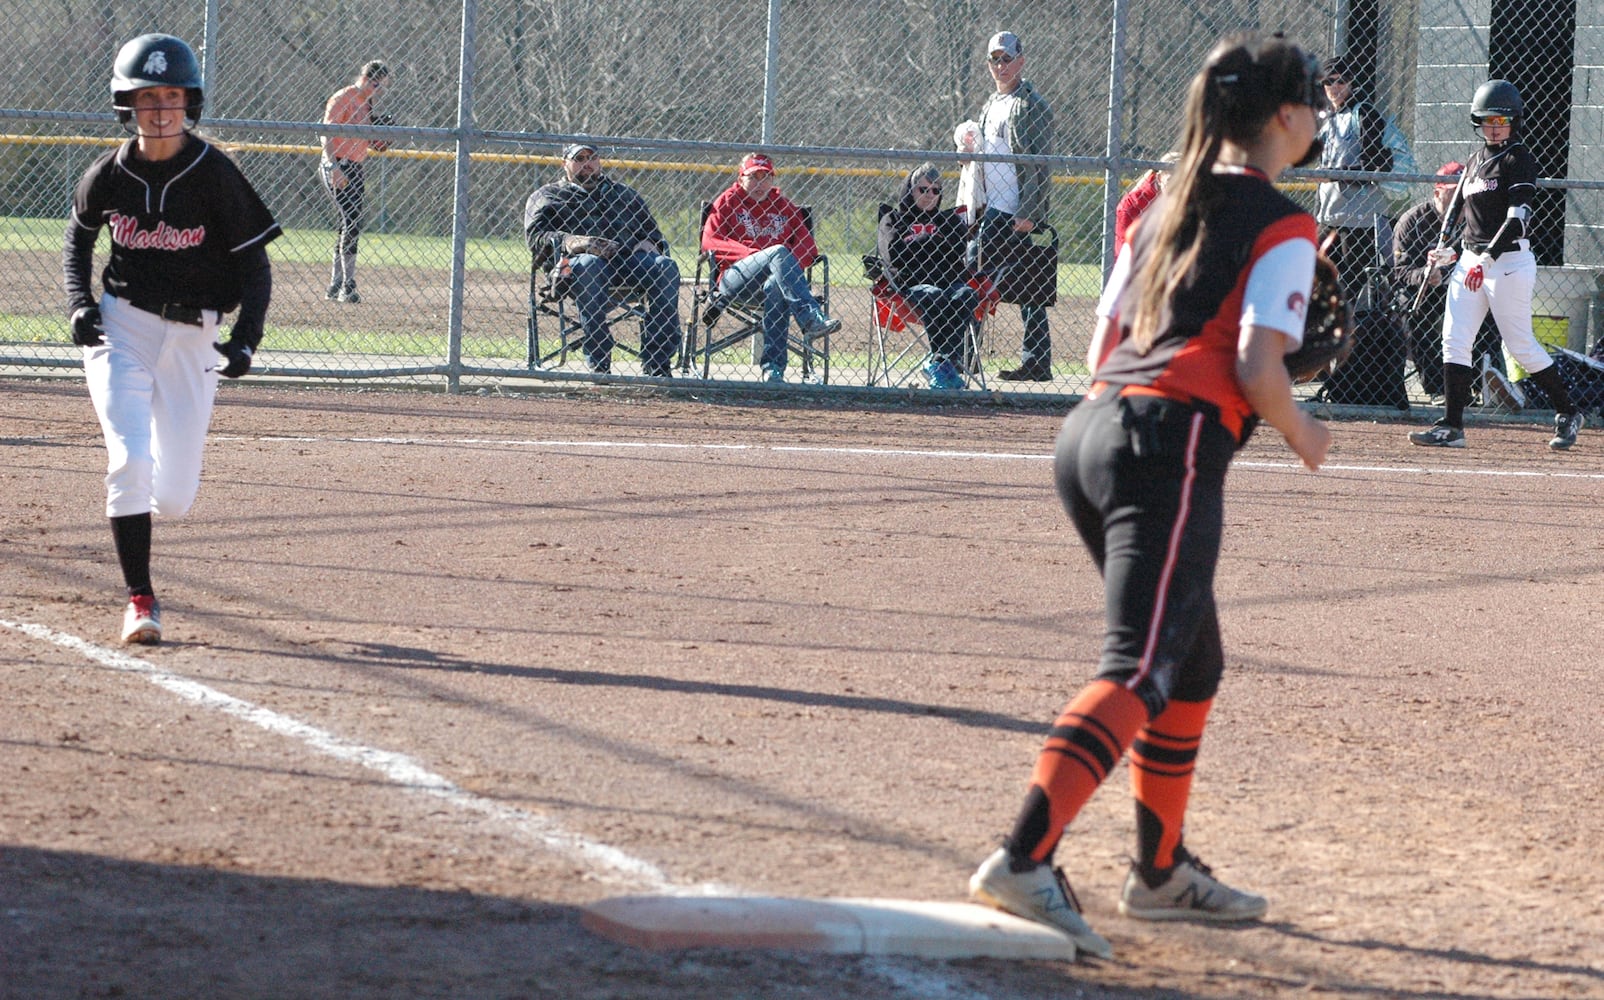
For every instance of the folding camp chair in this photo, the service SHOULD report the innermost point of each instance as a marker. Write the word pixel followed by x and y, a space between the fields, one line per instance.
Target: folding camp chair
pixel 901 347
pixel 742 321
pixel 551 296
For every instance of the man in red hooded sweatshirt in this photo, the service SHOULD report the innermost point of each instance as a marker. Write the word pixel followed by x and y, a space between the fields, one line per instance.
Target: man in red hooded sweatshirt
pixel 763 248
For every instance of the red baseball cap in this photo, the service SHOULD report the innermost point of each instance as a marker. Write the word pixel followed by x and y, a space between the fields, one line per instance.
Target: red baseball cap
pixel 756 163
pixel 1451 169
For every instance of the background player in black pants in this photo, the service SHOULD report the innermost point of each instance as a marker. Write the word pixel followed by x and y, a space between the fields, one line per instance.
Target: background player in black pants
pixel 342 170
pixel 1201 308
pixel 1497 270
pixel 188 244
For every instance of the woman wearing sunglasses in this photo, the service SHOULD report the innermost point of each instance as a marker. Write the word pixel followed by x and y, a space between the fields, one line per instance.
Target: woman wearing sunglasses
pixel 923 250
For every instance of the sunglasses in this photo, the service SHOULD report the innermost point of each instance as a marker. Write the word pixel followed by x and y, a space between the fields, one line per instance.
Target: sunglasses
pixel 1496 121
pixel 1002 60
pixel 927 188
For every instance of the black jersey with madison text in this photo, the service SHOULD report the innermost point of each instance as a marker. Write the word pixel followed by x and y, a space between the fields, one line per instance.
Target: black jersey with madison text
pixel 1495 179
pixel 177 225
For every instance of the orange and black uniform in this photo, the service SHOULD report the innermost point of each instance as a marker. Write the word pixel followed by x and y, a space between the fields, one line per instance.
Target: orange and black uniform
pixel 1140 467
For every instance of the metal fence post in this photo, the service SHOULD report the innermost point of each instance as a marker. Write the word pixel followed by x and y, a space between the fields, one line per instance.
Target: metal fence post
pixel 1114 146
pixel 771 73
pixel 461 197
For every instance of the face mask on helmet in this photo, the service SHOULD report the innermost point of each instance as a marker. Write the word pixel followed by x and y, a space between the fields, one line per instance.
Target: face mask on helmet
pixel 156 60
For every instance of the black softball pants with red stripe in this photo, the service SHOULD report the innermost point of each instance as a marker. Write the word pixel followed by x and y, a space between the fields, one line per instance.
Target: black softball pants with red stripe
pixel 1143 479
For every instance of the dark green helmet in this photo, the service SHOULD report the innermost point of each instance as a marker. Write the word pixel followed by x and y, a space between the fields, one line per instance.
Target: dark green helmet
pixel 155 60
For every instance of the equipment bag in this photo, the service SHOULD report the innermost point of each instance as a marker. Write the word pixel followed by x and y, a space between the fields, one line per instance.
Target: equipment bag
pixel 1028 276
pixel 1373 375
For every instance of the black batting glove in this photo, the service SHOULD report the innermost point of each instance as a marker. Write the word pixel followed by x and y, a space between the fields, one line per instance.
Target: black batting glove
pixel 238 355
pixel 87 330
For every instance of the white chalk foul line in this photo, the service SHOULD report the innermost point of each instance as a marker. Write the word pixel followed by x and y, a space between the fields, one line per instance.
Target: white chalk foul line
pixel 398 769
pixel 1002 456
pixel 404 772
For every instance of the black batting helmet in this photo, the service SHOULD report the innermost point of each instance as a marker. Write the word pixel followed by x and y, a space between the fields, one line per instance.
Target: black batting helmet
pixel 1496 97
pixel 155 60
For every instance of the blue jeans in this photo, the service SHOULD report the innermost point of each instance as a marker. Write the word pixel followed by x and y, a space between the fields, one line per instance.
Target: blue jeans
pixel 774 278
pixel 946 314
pixel 996 232
pixel 657 276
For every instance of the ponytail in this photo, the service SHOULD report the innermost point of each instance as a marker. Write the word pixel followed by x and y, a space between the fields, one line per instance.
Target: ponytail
pixel 1244 81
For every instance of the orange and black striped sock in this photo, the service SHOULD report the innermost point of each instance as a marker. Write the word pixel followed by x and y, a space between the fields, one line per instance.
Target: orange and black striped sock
pixel 1085 743
pixel 1163 757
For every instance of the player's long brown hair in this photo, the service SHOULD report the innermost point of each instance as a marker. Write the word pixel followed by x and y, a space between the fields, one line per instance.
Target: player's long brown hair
pixel 1244 81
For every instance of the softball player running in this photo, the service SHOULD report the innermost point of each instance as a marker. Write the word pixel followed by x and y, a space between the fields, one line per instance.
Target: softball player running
pixel 1201 308
pixel 188 244
pixel 1496 271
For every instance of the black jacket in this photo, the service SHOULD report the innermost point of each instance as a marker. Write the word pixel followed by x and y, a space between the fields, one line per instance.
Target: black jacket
pixel 922 248
pixel 610 210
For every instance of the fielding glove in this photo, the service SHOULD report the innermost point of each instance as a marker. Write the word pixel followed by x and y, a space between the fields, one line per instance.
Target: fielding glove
pixel 87 330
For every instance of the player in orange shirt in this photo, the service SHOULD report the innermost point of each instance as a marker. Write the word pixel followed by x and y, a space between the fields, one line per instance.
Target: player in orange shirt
pixel 1188 355
pixel 341 170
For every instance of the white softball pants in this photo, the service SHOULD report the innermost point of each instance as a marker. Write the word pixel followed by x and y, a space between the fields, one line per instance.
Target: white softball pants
pixel 152 383
pixel 1506 289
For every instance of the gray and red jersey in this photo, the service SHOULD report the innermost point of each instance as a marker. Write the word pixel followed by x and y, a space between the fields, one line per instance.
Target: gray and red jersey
pixel 179 227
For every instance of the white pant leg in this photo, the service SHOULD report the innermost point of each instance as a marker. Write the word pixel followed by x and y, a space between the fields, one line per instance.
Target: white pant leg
pixel 154 396
pixel 1465 312
pixel 1510 280
pixel 121 373
pixel 181 412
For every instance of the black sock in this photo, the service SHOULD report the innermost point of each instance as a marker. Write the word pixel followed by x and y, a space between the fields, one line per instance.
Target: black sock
pixel 1550 382
pixel 1457 380
pixel 131 534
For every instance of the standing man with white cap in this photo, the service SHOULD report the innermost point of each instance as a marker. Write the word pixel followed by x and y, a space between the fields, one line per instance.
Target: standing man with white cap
pixel 1016 120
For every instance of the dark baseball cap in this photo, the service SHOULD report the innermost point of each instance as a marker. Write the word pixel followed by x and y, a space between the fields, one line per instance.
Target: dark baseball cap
pixel 573 149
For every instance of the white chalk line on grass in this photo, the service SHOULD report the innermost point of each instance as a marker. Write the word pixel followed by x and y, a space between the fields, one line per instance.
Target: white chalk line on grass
pixel 398 769
pixel 912 979
pixel 1006 456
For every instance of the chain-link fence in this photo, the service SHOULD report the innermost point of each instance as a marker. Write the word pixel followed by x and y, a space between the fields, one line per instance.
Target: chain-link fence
pixel 847 97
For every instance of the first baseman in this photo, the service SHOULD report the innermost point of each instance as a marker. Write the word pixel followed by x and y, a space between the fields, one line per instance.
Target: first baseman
pixel 188 244
pixel 1204 304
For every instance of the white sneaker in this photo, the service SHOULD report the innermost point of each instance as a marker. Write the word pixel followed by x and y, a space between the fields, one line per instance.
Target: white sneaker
pixel 142 621
pixel 1190 893
pixel 1041 894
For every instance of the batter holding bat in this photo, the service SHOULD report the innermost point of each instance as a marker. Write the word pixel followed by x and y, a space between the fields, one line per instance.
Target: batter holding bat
pixel 1497 270
pixel 188 245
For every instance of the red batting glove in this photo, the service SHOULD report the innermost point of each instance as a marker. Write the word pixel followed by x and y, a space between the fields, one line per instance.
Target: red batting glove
pixel 1473 278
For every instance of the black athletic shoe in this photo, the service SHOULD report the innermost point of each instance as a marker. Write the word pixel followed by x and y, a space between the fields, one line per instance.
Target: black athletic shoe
pixel 1565 427
pixel 1027 373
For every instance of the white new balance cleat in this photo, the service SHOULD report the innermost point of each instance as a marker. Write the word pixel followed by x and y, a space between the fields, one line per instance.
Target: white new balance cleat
pixel 1039 893
pixel 1190 893
pixel 142 621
